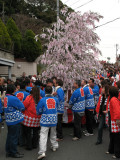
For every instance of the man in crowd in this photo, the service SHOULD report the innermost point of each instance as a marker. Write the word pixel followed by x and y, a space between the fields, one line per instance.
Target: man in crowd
pixel 89 107
pixel 61 98
pixel 13 116
pixel 95 89
pixel 77 103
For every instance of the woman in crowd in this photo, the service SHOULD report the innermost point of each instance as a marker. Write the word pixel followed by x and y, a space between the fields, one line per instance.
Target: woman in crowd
pixel 114 145
pixel 101 110
pixel 31 121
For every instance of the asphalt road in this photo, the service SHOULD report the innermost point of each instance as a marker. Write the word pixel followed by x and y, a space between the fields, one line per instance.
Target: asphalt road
pixel 84 149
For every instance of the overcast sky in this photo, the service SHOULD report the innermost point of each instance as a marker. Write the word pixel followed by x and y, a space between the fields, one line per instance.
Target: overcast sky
pixel 110 33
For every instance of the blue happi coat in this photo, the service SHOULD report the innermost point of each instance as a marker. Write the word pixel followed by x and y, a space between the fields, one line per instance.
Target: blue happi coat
pixel 12 108
pixel 96 93
pixel 21 95
pixel 89 98
pixel 77 100
pixel 47 107
pixel 61 98
pixel 42 93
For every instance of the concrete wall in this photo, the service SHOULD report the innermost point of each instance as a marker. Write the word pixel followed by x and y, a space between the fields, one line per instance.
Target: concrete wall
pixel 30 68
pixel 6 55
pixel 19 68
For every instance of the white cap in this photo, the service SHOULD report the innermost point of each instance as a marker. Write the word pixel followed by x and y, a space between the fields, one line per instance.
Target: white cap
pixel 113 77
pixel 33 78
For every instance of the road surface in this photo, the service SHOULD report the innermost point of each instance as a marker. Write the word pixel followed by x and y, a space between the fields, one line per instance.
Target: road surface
pixel 84 149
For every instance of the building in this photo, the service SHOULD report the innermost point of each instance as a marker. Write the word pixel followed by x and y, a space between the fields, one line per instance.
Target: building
pixel 13 68
pixel 21 65
pixel 6 62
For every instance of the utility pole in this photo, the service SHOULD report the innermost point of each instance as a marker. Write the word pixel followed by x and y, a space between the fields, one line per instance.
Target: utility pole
pixel 3 13
pixel 58 10
pixel 116 46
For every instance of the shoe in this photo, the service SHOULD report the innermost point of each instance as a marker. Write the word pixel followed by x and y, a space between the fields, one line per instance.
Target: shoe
pixel 107 152
pixel 97 143
pixel 12 155
pixel 54 149
pixel 59 139
pixel 20 153
pixel 75 138
pixel 41 156
pixel 29 149
pixel 89 134
pixel 71 134
pixel 8 155
pixel 114 157
pixel 17 155
pixel 34 147
pixel 85 131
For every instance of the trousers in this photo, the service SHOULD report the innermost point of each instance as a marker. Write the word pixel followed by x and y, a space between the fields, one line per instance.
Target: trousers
pixel 31 136
pixel 100 128
pixel 114 145
pixel 12 138
pixel 89 121
pixel 44 137
pixel 77 125
pixel 59 126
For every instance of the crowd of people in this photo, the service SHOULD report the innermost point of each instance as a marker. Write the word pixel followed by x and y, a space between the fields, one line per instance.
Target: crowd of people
pixel 34 111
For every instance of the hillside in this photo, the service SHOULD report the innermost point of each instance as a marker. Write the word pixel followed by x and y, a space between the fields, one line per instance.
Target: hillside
pixel 31 14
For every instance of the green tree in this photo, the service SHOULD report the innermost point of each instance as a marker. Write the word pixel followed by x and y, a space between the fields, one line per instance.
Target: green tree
pixel 16 37
pixel 5 40
pixel 30 47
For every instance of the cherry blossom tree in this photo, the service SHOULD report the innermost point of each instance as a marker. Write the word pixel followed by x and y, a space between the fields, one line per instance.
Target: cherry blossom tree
pixel 74 54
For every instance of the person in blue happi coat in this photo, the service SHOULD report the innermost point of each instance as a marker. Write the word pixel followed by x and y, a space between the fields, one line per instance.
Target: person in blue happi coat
pixel 28 87
pixel 47 108
pixel 37 83
pixel 49 82
pixel 21 94
pixel 89 107
pixel 95 89
pixel 59 93
pixel 13 108
pixel 77 103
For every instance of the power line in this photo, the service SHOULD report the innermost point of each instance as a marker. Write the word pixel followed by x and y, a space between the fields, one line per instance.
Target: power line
pixel 74 3
pixel 116 46
pixel 67 1
pixel 84 4
pixel 107 22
